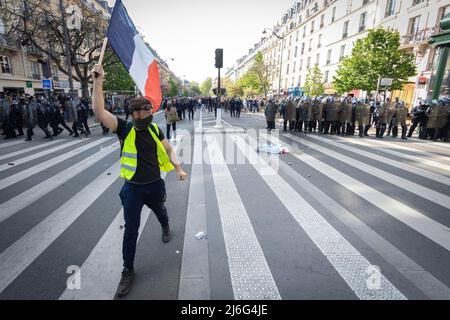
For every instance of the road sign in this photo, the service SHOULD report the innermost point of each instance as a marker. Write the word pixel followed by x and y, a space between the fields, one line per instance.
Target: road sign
pixel 386 82
pixel 47 84
pixel 29 84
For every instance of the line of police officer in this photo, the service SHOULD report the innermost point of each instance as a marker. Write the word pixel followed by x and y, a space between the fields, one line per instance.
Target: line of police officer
pixel 29 111
pixel 341 116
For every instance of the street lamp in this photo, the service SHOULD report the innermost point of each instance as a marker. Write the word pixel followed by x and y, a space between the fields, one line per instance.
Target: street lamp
pixel 281 58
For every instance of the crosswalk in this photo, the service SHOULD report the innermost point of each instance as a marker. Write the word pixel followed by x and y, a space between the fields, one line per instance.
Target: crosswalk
pixel 338 218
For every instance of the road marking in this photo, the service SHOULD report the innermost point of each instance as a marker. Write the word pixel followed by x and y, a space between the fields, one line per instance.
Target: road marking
pixel 35 156
pixel 22 175
pixel 194 277
pixel 23 200
pixel 251 277
pixel 101 271
pixel 421 191
pixel 431 229
pixel 427 154
pixel 40 146
pixel 394 163
pixel 10 144
pixel 345 259
pixel 426 282
pixel 401 155
pixel 16 258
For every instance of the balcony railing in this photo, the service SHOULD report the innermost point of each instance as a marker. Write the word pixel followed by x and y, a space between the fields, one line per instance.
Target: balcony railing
pixel 418 37
pixel 36 76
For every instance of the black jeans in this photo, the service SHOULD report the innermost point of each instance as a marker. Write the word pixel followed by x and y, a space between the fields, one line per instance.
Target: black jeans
pixel 174 128
pixel 134 197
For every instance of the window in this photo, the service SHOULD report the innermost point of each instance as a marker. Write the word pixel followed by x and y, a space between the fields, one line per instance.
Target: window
pixel 287 69
pixel 318 58
pixel 333 14
pixel 319 43
pixel 362 21
pixel 310 45
pixel 6 66
pixel 416 2
pixel 2 26
pixel 295 52
pixel 293 70
pixel 365 2
pixel 308 62
pixel 390 7
pixel 325 78
pixel 341 54
pixel 55 74
pixel 289 54
pixel 290 40
pixel 300 65
pixel 322 20
pixel 299 81
pixel 304 31
pixel 303 48
pixel 35 72
pixel 296 36
pixel 329 56
pixel 312 26
pixel 413 27
pixel 345 31
pixel 292 83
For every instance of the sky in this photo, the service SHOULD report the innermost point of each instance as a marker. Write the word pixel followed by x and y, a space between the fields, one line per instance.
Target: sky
pixel 189 31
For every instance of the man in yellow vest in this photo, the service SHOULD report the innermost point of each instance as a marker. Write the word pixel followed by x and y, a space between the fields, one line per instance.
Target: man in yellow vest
pixel 145 154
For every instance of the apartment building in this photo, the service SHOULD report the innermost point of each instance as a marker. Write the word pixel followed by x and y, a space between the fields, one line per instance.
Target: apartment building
pixel 23 68
pixel 322 32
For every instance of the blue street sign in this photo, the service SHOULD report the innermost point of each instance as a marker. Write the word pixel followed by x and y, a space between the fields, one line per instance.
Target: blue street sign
pixel 47 84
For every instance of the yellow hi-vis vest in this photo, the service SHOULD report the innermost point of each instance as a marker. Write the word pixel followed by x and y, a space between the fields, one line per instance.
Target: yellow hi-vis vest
pixel 129 154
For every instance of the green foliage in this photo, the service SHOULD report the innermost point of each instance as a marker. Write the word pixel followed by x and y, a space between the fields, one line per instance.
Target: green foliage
pixel 314 82
pixel 195 89
pixel 377 55
pixel 206 87
pixel 173 92
pixel 261 71
pixel 117 77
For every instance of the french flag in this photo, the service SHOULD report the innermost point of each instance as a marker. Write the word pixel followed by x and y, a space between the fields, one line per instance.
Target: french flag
pixel 134 54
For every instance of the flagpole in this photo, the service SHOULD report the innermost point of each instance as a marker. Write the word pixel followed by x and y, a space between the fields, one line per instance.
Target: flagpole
pixel 102 54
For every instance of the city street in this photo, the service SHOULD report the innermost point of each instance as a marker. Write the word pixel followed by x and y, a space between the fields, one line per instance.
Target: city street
pixel 334 218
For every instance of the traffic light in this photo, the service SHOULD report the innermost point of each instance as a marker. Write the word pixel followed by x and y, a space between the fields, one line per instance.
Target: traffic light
pixel 219 58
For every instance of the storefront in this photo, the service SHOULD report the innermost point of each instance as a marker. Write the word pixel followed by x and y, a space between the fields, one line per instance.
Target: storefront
pixel 440 78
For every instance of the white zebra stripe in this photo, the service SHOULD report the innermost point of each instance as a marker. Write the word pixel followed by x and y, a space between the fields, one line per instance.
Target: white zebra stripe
pixel 345 259
pixel 24 174
pixel 251 277
pixel 17 257
pixel 40 146
pixel 23 200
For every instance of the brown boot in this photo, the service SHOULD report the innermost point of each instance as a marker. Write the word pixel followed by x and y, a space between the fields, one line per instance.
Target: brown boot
pixel 166 234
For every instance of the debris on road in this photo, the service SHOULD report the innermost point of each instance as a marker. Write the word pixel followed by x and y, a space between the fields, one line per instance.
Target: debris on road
pixel 200 235
pixel 272 149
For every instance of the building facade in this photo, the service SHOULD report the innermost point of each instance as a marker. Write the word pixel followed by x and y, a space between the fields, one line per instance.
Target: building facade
pixel 23 67
pixel 322 32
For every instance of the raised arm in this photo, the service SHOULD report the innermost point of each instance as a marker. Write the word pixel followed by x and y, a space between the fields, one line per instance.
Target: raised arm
pixel 98 100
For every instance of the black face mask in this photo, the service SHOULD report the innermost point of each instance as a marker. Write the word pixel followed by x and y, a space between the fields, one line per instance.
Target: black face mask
pixel 143 124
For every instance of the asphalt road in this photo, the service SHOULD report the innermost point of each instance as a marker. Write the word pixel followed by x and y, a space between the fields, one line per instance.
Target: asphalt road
pixel 335 218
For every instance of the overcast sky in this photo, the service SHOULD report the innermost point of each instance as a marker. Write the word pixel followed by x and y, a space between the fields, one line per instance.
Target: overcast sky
pixel 191 30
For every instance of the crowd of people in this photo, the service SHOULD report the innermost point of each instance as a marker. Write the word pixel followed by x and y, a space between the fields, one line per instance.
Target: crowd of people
pixel 51 115
pixel 342 116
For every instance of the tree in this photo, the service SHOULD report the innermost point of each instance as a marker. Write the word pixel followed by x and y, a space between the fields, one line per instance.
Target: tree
pixel 206 87
pixel 261 72
pixel 117 77
pixel 37 24
pixel 314 82
pixel 377 55
pixel 195 88
pixel 173 92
